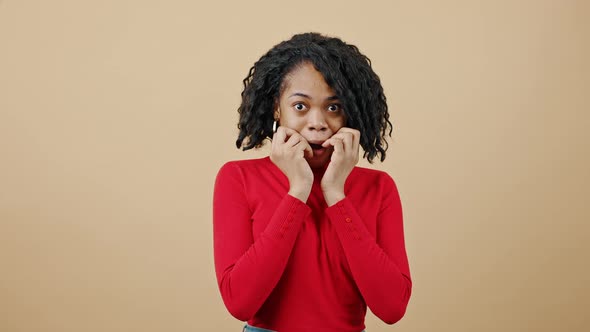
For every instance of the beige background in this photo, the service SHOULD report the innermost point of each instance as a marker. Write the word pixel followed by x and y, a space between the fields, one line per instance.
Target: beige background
pixel 116 115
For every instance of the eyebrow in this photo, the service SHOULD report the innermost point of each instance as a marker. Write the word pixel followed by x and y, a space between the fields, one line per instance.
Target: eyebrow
pixel 308 97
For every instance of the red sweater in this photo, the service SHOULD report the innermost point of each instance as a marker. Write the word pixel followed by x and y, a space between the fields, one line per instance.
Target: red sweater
pixel 287 265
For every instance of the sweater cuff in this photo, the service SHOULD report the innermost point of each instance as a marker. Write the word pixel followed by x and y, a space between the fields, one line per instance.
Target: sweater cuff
pixel 347 222
pixel 288 218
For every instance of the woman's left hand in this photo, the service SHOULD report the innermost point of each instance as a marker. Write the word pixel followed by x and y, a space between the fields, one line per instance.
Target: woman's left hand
pixel 344 157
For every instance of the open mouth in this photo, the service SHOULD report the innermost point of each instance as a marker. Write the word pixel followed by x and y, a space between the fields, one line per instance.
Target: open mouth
pixel 316 146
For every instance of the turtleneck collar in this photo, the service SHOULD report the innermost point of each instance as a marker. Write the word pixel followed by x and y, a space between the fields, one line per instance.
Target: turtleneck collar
pixel 317 172
pixel 321 170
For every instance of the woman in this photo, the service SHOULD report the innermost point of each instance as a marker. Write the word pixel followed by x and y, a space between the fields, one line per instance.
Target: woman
pixel 304 239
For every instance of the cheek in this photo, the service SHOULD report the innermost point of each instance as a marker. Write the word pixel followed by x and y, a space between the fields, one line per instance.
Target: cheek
pixel 337 123
pixel 292 121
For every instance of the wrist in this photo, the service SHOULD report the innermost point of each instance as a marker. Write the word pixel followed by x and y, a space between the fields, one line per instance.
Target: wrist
pixel 333 189
pixel 302 193
pixel 333 197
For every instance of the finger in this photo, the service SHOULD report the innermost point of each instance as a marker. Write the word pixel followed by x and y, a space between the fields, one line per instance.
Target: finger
pixel 345 136
pixel 294 140
pixel 338 146
pixel 307 150
pixel 276 140
pixel 281 135
pixel 288 131
pixel 355 132
pixel 356 137
pixel 300 144
pixel 331 140
pixel 347 142
pixel 339 136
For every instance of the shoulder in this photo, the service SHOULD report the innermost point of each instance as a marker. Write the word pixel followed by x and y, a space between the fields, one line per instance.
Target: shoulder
pixel 374 175
pixel 378 185
pixel 244 164
pixel 371 186
pixel 241 166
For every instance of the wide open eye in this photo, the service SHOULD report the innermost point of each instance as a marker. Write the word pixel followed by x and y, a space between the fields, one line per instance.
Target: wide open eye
pixel 299 106
pixel 334 107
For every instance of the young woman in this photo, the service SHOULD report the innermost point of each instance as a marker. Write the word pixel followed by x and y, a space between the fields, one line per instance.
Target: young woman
pixel 305 240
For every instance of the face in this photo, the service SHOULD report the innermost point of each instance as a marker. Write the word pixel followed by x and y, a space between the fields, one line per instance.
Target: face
pixel 309 106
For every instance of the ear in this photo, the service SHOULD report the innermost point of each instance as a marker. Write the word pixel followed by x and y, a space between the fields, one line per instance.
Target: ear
pixel 277 112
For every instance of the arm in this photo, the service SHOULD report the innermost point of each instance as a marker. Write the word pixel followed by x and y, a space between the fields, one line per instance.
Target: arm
pixel 379 266
pixel 247 271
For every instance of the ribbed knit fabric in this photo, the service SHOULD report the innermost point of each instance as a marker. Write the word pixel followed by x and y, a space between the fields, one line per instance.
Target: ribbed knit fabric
pixel 292 266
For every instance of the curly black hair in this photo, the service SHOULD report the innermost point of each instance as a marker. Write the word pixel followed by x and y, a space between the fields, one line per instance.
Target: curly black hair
pixel 345 69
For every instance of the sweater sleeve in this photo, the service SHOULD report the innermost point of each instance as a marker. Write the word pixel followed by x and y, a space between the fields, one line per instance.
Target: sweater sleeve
pixel 379 266
pixel 248 270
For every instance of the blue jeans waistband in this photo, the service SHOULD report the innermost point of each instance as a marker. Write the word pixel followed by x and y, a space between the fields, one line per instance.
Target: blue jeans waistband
pixel 250 328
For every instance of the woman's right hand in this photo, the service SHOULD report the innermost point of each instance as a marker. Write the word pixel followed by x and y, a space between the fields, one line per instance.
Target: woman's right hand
pixel 289 156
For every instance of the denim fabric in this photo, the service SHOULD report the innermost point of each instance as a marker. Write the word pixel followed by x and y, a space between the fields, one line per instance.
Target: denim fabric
pixel 250 328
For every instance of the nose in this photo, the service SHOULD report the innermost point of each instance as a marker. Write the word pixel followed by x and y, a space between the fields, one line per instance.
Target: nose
pixel 316 120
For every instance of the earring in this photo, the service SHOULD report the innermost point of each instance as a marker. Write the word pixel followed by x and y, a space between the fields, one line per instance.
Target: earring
pixel 274 126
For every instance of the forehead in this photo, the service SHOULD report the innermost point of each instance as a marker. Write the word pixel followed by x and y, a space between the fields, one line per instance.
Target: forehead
pixel 306 79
